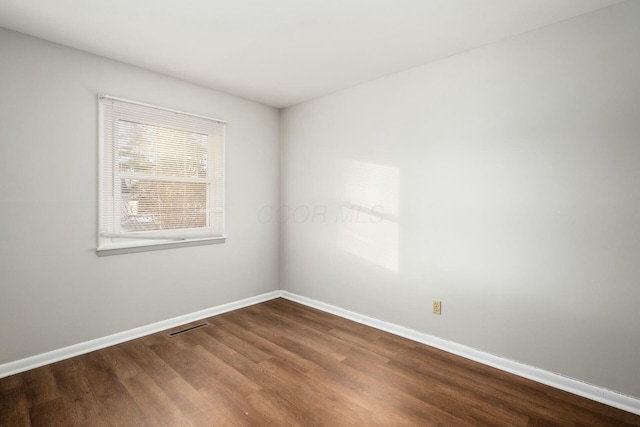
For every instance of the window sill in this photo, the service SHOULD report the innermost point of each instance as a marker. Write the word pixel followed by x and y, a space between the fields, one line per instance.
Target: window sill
pixel 118 250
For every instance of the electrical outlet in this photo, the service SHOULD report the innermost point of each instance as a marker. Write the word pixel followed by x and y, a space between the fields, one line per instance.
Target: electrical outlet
pixel 437 306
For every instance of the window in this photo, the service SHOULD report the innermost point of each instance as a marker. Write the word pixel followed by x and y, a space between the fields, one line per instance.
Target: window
pixel 161 178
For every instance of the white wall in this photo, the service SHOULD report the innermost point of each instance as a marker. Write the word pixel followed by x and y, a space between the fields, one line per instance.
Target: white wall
pixel 54 290
pixel 508 177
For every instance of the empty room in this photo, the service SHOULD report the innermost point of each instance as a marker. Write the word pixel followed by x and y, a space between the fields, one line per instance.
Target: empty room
pixel 306 213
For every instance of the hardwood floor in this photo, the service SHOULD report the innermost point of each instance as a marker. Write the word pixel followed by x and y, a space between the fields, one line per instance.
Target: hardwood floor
pixel 280 363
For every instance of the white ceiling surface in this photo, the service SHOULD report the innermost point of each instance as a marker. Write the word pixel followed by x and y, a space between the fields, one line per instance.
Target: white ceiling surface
pixel 282 52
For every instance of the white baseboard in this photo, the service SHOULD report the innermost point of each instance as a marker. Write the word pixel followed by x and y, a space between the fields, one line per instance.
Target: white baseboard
pixel 96 344
pixel 580 388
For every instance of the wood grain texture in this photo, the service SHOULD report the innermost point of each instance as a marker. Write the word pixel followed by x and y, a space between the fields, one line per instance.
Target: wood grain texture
pixel 283 364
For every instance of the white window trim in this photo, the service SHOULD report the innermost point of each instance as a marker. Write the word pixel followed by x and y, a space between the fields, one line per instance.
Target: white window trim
pixel 169 244
pixel 154 240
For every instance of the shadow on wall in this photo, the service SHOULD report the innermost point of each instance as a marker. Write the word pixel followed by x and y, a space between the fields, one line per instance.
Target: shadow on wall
pixel 368 211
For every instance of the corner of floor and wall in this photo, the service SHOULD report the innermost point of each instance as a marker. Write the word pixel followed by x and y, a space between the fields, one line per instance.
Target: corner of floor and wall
pixel 502 181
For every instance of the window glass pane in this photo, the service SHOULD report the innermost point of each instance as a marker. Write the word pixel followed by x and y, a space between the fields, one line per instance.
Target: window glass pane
pixel 162 205
pixel 160 151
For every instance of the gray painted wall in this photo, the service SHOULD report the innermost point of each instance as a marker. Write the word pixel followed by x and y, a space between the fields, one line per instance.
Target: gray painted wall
pixel 54 290
pixel 503 181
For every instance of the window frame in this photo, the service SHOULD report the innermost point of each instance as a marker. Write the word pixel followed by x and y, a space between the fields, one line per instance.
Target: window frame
pixel 139 241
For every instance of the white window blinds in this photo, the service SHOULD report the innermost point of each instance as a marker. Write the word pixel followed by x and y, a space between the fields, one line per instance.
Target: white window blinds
pixel 162 175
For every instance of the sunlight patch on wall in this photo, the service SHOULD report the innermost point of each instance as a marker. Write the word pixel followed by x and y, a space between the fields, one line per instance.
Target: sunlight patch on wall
pixel 369 185
pixel 367 221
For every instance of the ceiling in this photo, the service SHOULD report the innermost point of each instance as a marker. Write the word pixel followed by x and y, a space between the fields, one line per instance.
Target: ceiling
pixel 282 52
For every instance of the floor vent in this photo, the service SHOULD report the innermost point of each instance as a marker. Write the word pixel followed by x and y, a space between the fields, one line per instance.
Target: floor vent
pixel 190 328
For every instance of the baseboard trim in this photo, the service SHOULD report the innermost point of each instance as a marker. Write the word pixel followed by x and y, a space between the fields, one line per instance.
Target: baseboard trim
pixel 580 388
pixel 38 360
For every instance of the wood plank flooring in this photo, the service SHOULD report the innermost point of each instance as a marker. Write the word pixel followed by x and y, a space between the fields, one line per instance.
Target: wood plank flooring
pixel 280 363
